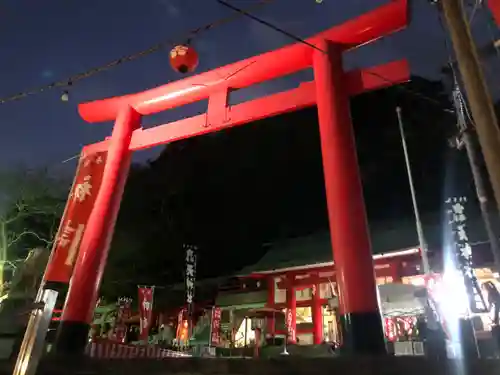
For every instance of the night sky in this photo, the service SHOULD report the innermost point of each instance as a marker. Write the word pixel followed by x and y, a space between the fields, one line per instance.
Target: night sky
pixel 45 41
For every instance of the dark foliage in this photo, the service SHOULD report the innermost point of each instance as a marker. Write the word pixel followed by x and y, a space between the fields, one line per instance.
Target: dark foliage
pixel 233 191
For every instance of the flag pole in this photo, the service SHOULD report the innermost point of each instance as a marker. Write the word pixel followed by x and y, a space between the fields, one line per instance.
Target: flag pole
pixel 418 222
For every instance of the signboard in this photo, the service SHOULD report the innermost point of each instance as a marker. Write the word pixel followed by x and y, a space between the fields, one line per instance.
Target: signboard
pixel 455 210
pixel 80 203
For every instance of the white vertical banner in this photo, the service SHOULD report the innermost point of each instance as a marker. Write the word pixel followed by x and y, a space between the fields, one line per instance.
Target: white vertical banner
pixel 457 220
pixel 190 281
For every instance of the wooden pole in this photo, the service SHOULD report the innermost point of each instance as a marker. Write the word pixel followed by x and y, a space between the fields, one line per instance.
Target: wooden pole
pixel 480 102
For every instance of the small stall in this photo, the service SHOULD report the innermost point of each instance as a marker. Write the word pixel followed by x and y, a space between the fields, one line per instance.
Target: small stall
pixel 401 306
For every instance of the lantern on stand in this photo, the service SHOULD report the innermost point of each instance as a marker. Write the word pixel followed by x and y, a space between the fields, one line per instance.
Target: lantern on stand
pixel 123 315
pixel 183 59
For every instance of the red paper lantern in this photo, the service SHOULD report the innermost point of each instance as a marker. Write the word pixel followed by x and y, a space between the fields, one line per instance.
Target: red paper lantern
pixel 183 59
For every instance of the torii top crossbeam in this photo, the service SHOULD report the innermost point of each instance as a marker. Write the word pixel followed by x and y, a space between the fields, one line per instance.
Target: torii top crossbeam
pixel 366 28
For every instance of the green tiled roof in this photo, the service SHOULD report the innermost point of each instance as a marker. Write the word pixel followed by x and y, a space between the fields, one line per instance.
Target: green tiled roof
pixel 241 299
pixel 385 238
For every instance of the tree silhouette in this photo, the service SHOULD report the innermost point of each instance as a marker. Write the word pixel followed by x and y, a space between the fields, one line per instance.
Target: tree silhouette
pixel 31 207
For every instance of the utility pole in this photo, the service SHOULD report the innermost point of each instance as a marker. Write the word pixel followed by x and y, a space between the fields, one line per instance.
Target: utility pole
pixel 477 92
pixel 465 139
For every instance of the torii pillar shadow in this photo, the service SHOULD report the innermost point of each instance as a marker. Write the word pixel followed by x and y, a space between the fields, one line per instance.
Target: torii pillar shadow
pixel 331 89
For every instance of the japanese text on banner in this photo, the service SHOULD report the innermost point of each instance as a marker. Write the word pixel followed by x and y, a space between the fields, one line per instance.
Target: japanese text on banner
pixel 463 251
pixel 216 320
pixel 190 273
pixel 292 334
pixel 80 203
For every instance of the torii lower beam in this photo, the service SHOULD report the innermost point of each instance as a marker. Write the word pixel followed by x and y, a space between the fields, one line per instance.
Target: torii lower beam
pixel 331 91
pixel 357 82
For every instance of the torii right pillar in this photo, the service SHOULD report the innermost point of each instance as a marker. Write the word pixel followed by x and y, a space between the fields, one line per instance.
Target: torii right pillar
pixel 361 320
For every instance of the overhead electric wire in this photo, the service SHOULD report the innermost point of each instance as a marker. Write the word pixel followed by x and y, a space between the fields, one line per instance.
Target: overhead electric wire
pixel 477 4
pixel 186 38
pixel 303 41
pixel 245 13
pixel 268 24
pixel 65 83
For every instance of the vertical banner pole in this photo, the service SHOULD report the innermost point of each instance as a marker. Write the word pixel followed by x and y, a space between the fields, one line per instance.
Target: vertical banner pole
pixel 211 327
pixel 424 253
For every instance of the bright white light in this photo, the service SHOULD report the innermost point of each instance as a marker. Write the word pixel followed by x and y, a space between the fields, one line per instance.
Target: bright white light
pixel 452 295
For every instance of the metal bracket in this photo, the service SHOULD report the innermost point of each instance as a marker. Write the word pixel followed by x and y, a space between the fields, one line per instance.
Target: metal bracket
pixel 33 343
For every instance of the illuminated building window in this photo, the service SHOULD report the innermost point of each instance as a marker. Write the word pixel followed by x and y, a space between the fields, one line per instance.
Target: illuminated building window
pixel 304 315
pixel 244 336
pixel 384 280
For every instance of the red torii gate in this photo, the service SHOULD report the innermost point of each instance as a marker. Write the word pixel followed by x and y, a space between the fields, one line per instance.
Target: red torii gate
pixel 330 91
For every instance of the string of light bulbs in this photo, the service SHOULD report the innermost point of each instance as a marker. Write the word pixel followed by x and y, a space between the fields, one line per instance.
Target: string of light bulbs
pixel 68 82
pixel 159 46
pixel 186 38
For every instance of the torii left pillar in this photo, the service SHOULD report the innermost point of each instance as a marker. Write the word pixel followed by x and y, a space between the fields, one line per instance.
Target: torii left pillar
pixel 89 267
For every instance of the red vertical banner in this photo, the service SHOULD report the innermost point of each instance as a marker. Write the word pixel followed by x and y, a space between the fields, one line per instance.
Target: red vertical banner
pixel 215 330
pixel 290 325
pixel 145 311
pixel 291 311
pixel 80 203
pixel 494 6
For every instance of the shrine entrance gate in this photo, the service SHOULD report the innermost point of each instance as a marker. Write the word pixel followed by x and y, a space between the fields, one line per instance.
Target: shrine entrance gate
pixel 82 245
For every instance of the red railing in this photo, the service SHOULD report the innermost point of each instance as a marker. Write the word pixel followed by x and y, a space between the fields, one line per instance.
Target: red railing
pixel 107 349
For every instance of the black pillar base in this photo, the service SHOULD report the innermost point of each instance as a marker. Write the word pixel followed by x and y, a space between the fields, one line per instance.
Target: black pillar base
pixel 362 333
pixel 468 340
pixel 72 338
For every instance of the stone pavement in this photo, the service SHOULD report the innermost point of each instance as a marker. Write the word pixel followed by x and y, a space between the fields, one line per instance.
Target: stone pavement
pixel 281 366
